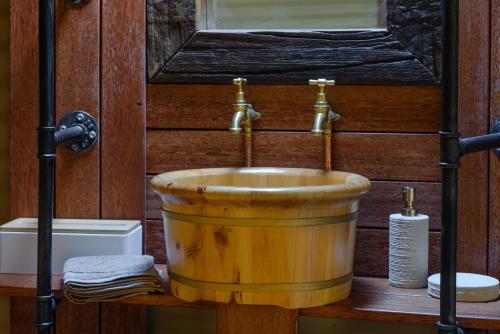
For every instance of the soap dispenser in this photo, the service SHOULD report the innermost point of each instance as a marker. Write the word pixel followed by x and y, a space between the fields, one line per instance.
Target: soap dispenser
pixel 408 245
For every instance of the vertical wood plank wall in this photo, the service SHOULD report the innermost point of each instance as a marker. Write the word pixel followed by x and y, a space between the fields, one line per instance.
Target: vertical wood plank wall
pixel 474 67
pixel 102 82
pixel 23 113
pixel 494 181
pixel 123 135
pixel 4 139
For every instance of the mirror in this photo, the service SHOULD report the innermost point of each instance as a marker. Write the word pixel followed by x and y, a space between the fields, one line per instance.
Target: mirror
pixel 295 14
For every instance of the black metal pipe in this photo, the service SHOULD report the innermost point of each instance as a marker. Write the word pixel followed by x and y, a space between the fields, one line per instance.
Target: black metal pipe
pixel 449 162
pixel 480 143
pixel 45 302
pixel 69 134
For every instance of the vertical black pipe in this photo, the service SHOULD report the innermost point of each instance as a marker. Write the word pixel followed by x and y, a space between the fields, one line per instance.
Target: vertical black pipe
pixel 450 162
pixel 45 303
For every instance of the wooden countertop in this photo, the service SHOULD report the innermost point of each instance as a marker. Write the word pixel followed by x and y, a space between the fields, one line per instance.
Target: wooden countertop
pixel 371 299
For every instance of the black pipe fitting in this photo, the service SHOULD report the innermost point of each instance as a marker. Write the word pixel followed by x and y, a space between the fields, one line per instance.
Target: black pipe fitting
pixel 48 139
pixel 74 133
pixel 45 306
pixel 46 142
pixel 480 143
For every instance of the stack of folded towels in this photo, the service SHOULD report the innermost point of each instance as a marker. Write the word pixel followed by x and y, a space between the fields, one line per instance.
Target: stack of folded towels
pixel 107 278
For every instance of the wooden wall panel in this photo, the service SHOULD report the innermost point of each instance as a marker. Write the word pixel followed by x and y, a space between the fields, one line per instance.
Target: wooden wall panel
pixel 383 199
pixel 363 108
pixel 22 315
pixel 376 156
pixel 494 181
pixel 123 110
pixel 23 108
pixel 406 157
pixel 77 175
pixel 155 240
pixel 123 114
pixel 473 121
pixel 77 56
pixel 256 319
pixel 70 318
pixel 372 252
pixel 76 178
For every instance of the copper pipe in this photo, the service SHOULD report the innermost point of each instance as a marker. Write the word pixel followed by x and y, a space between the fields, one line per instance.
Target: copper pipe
pixel 328 152
pixel 248 149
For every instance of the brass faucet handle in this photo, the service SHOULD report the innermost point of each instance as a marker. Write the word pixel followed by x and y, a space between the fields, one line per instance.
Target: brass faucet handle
pixel 321 82
pixel 239 82
pixel 321 104
pixel 240 93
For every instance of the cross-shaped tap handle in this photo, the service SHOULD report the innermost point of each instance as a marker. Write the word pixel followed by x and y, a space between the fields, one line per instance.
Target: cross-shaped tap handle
pixel 240 93
pixel 240 82
pixel 321 83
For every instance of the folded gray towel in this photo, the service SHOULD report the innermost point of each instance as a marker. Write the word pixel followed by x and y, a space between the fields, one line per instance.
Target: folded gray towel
pixel 107 278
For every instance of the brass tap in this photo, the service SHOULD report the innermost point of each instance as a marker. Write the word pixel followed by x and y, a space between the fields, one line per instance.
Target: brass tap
pixel 324 114
pixel 244 113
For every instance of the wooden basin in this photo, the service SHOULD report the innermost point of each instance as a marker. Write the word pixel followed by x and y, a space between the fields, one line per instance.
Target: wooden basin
pixel 266 236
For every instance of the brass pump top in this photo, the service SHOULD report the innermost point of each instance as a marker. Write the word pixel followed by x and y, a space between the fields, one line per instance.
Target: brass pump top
pixel 240 93
pixel 409 196
pixel 321 104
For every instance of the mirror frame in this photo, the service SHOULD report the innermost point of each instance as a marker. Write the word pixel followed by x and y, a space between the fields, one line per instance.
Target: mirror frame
pixel 181 50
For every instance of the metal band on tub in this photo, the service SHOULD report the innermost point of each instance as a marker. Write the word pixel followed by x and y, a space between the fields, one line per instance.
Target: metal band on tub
pixel 260 222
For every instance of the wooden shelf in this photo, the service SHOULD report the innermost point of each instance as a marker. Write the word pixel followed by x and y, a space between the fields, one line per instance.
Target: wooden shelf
pixel 371 299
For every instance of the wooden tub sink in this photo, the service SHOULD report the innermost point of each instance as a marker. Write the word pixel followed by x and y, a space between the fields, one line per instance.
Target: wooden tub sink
pixel 267 236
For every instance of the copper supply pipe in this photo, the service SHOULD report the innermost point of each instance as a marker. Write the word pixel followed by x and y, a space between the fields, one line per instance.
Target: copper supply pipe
pixel 328 152
pixel 248 149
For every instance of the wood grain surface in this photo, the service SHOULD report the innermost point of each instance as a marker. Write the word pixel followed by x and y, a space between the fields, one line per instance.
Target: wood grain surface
pixel 473 121
pixel 252 254
pixel 363 108
pixel 77 56
pixel 123 113
pixel 376 156
pixel 383 199
pixel 23 108
pixel 371 251
pixel 494 179
pixel 77 175
pixel 257 319
pixel 407 52
pixel 371 299
pixel 24 165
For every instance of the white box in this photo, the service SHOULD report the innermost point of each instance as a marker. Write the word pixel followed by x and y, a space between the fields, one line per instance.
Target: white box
pixel 70 238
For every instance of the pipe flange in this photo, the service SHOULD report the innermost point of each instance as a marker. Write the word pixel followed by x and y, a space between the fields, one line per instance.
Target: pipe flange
pixel 495 128
pixel 89 125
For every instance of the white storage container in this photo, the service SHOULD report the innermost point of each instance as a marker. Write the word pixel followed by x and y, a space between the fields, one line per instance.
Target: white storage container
pixel 71 238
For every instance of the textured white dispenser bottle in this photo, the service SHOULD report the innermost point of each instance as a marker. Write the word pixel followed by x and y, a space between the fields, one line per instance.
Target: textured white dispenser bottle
pixel 408 245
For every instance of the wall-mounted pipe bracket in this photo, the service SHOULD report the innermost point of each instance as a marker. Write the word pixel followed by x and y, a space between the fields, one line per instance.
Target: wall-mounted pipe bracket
pixel 495 128
pixel 77 131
